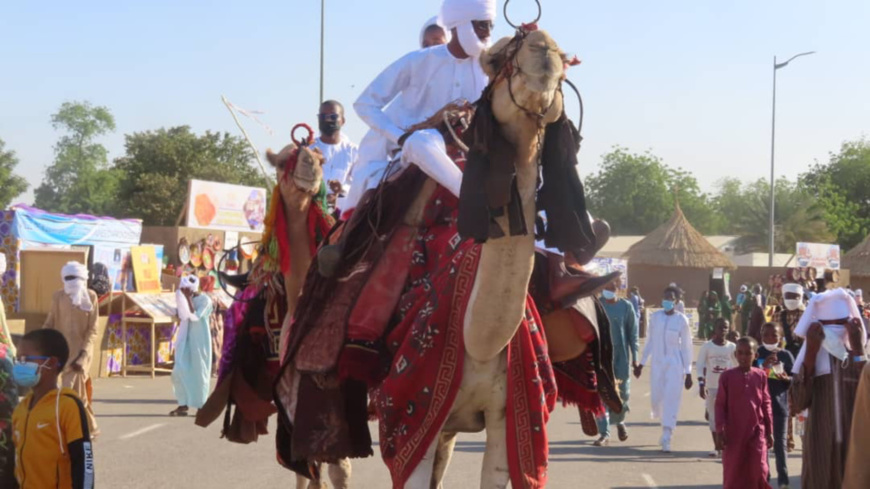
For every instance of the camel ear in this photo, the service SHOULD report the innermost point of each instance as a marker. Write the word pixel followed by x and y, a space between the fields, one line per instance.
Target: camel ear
pixel 272 158
pixel 493 59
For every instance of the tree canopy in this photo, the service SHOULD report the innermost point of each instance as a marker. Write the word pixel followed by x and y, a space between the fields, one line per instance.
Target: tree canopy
pixel 635 194
pixel 157 166
pixel 11 185
pixel 79 180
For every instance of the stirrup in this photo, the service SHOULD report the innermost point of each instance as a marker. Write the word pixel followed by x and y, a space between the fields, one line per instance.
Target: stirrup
pixel 328 258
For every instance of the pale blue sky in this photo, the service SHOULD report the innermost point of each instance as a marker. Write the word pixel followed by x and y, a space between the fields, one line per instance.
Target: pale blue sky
pixel 690 80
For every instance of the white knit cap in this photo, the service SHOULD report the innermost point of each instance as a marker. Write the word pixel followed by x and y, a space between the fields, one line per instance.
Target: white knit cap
pixel 793 288
pixel 456 12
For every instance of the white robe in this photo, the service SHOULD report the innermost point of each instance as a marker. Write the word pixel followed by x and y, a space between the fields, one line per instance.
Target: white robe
pixel 669 342
pixel 191 371
pixel 408 92
pixel 338 161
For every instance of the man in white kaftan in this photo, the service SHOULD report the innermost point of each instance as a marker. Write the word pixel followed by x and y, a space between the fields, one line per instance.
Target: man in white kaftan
pixel 669 343
pixel 413 89
pixel 192 369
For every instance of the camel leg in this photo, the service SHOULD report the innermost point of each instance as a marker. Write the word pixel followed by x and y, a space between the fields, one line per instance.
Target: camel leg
pixel 494 474
pixel 339 474
pixel 303 482
pixel 446 442
pixel 421 478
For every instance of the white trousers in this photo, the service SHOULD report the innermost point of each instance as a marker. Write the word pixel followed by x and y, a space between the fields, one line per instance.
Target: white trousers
pixel 426 149
pixel 667 383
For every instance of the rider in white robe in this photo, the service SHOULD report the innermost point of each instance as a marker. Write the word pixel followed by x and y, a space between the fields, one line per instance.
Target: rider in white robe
pixel 410 91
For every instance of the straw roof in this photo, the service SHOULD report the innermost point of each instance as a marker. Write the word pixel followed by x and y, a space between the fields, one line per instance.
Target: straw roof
pixel 677 244
pixel 857 260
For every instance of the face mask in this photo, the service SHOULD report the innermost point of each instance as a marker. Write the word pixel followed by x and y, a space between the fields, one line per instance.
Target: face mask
pixel 792 304
pixel 770 347
pixel 471 44
pixel 26 374
pixel 668 305
pixel 329 128
pixel 608 294
pixel 835 341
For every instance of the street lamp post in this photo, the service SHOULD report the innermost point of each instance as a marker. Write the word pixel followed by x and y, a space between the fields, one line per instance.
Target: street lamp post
pixel 322 24
pixel 776 66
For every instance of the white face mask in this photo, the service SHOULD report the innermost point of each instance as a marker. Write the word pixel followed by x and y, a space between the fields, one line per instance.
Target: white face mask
pixel 792 304
pixel 471 44
pixel 835 341
pixel 770 347
pixel 608 295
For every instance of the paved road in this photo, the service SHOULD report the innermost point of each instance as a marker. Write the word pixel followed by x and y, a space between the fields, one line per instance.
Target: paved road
pixel 141 447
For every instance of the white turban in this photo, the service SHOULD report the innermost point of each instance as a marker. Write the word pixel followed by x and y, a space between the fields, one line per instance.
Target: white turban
pixel 827 306
pixel 743 288
pixel 429 23
pixel 77 287
pixel 457 12
pixel 190 282
pixel 793 288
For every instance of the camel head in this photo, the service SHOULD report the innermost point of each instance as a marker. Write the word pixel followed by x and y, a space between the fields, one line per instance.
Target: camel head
pixel 299 172
pixel 527 73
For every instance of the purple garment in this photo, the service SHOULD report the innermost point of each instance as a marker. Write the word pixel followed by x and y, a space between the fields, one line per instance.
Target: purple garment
pixel 743 414
pixel 233 317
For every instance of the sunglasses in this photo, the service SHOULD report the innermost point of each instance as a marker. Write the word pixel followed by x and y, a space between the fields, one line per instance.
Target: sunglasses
pixel 31 359
pixel 329 117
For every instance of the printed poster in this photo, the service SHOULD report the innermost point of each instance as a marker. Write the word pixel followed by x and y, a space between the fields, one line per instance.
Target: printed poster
pixel 819 256
pixel 146 269
pixel 604 266
pixel 160 307
pixel 212 205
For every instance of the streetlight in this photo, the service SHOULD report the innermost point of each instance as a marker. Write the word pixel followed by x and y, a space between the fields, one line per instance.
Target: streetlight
pixel 776 66
pixel 322 24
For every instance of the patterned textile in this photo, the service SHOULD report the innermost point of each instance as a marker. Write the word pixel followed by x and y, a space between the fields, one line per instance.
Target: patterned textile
pixel 8 401
pixel 9 245
pixel 428 354
pixel 138 344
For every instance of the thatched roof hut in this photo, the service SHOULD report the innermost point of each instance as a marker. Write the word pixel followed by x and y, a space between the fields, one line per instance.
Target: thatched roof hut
pixel 677 244
pixel 857 260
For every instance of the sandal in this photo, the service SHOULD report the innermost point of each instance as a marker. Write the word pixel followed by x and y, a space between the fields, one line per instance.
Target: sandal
pixel 180 411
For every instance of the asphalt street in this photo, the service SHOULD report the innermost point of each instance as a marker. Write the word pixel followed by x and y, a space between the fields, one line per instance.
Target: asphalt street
pixel 142 447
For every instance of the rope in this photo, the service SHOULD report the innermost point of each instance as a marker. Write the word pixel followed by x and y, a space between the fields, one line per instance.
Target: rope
pixel 579 99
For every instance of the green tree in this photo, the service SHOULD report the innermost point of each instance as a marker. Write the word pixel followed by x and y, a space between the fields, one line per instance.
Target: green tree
pixel 157 166
pixel 79 179
pixel 11 185
pixel 746 210
pixel 635 194
pixel 841 188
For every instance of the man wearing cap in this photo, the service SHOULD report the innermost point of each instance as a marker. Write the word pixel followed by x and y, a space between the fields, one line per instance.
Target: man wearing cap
pixel 415 88
pixel 74 312
pixel 433 34
pixel 826 374
pixel 192 368
pixel 794 306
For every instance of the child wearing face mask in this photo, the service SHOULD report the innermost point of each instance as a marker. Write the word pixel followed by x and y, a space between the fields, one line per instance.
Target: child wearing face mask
pixel 777 363
pixel 51 434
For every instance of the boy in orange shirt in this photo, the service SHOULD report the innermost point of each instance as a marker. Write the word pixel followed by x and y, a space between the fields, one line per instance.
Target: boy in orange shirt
pixel 50 426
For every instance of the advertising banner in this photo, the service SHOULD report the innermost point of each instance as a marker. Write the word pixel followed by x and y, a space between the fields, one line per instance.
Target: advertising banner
pixel 43 227
pixel 603 266
pixel 226 207
pixel 819 256
pixel 146 269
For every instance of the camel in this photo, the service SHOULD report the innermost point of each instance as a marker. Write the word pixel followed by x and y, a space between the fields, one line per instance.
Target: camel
pixel 498 296
pixel 297 194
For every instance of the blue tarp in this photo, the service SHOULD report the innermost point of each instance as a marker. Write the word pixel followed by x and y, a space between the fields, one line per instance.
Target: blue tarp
pixel 38 226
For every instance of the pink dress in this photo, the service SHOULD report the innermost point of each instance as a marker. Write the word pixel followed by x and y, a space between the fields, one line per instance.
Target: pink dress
pixel 743 413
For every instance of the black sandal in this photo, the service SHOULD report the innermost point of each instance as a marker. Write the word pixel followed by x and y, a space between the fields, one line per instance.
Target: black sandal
pixel 180 411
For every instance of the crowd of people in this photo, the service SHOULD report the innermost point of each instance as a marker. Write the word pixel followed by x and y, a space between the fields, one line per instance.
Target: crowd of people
pixel 806 365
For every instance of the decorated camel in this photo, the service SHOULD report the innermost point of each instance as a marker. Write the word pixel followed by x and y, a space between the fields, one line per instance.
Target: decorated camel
pixel 270 293
pixel 452 342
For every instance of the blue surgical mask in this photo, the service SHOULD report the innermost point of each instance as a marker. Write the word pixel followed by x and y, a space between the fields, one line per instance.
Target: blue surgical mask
pixel 608 294
pixel 668 305
pixel 26 374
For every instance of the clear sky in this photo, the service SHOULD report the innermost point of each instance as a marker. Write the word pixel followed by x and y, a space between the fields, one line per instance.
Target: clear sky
pixel 689 80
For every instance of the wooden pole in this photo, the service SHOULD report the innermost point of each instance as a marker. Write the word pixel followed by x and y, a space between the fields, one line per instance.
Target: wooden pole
pixel 266 174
